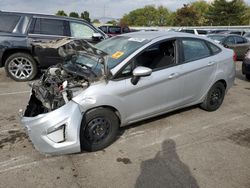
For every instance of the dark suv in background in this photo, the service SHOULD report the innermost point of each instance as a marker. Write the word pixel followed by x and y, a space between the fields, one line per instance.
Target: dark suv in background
pixel 20 31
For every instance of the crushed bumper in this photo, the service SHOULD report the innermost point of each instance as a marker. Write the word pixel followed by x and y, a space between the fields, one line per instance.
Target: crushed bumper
pixel 56 132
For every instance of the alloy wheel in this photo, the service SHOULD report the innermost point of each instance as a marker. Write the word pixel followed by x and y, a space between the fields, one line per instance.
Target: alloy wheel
pixel 21 68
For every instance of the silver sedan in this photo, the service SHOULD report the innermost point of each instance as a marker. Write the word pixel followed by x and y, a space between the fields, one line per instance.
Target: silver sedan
pixel 81 104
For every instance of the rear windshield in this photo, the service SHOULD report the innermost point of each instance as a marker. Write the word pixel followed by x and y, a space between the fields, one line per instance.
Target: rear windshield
pixel 8 22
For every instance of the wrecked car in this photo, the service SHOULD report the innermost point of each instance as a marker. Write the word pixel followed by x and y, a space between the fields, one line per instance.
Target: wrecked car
pixel 80 104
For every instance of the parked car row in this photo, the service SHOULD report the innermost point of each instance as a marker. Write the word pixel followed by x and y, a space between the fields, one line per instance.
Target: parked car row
pixel 239 44
pixel 213 31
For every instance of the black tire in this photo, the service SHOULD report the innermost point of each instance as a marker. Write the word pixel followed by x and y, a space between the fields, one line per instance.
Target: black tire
pixel 99 129
pixel 21 67
pixel 248 76
pixel 214 98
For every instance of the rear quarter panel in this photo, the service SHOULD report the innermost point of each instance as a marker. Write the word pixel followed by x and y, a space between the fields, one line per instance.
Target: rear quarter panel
pixel 226 67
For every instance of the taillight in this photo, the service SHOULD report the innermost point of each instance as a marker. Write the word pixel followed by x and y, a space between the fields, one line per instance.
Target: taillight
pixel 235 57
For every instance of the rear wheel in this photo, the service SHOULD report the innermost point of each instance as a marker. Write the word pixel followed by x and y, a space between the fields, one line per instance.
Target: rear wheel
pixel 21 67
pixel 214 98
pixel 248 76
pixel 99 129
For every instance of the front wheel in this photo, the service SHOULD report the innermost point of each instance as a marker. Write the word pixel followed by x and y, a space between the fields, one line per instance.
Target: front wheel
pixel 214 98
pixel 21 67
pixel 99 129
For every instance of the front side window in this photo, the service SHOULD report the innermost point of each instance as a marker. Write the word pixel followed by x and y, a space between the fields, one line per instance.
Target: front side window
pixel 8 22
pixel 194 49
pixel 156 57
pixel 49 27
pixel 79 30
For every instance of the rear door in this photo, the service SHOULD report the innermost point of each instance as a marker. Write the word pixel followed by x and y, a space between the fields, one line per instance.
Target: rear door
pixel 46 29
pixel 198 68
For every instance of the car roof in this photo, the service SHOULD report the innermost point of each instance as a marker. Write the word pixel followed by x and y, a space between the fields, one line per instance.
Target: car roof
pixel 150 35
pixel 42 15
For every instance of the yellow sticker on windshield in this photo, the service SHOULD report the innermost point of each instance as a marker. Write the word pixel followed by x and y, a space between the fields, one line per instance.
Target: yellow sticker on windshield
pixel 117 55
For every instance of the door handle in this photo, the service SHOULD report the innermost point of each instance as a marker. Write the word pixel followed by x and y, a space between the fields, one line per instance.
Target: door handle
pixel 211 63
pixel 173 75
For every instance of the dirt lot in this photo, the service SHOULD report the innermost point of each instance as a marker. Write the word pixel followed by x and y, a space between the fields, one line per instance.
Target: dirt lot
pixel 187 148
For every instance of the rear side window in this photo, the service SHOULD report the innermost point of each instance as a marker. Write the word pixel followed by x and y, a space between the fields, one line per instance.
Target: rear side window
pixel 240 40
pixel 49 27
pixel 194 49
pixel 8 22
pixel 213 48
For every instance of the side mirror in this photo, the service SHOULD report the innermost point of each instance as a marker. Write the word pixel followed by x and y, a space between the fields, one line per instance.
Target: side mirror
pixel 140 72
pixel 97 36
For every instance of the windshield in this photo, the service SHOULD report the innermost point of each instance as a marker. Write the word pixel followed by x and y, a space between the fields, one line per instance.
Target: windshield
pixel 119 48
pixel 216 37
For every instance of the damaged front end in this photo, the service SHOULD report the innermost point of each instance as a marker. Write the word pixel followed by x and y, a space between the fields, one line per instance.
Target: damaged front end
pixel 52 118
pixel 55 88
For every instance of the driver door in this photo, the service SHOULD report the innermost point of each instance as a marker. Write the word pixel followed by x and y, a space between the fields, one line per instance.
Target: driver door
pixel 154 94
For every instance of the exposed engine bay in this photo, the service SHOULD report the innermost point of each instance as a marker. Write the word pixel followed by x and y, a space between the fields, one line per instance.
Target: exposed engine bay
pixel 60 83
pixel 55 88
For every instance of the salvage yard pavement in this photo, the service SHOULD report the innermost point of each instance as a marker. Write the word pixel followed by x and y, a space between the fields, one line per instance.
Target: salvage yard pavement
pixel 186 148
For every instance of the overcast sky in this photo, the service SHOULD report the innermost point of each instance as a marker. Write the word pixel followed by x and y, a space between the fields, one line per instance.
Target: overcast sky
pixel 97 8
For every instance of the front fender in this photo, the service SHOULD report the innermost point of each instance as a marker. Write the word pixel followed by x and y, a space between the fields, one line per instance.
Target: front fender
pixel 88 102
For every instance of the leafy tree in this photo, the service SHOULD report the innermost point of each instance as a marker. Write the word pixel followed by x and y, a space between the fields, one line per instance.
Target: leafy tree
pixel 162 16
pixel 186 16
pixel 201 7
pixel 85 16
pixel 222 12
pixel 147 16
pixel 96 21
pixel 113 22
pixel 61 13
pixel 246 16
pixel 74 14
